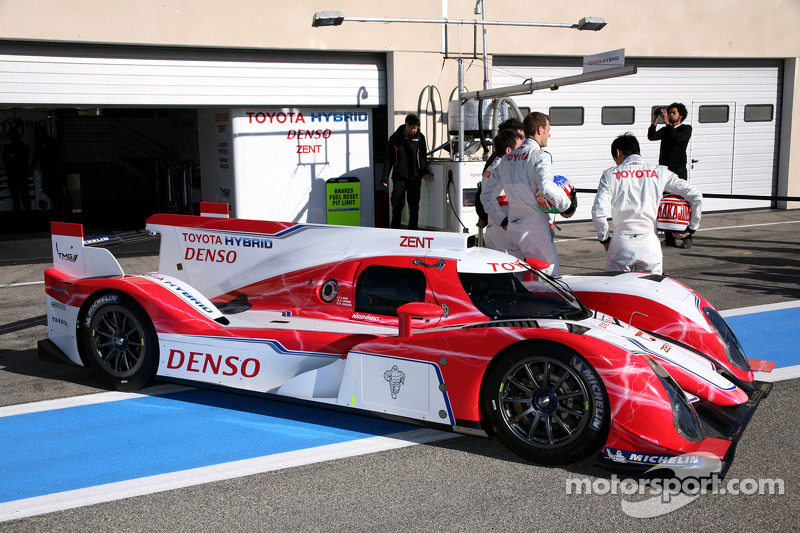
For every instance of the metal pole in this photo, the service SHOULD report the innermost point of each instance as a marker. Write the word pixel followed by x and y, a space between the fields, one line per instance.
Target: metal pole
pixel 485 55
pixel 460 109
pixel 554 84
pixel 464 22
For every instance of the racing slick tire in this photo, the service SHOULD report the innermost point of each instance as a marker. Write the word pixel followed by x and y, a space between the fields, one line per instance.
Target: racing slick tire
pixel 546 403
pixel 119 341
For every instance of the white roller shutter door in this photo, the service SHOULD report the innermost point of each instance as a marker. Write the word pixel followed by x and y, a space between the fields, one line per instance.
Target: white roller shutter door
pixel 39 75
pixel 736 157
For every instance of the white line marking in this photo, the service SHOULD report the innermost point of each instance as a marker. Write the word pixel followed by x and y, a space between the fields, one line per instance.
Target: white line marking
pixel 751 225
pixel 760 308
pixel 87 399
pixel 22 284
pixel 149 485
pixel 779 374
pixel 698 230
pixel 576 239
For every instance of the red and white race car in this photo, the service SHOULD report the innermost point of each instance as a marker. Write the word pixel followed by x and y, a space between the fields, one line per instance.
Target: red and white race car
pixel 411 325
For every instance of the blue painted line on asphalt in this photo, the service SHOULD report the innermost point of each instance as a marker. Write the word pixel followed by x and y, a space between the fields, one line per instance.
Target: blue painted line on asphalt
pixel 78 447
pixel 770 335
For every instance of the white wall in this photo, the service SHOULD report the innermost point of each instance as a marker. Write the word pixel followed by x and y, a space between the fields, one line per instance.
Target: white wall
pixel 282 158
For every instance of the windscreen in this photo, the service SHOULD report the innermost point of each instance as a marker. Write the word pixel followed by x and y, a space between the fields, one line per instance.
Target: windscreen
pixel 506 296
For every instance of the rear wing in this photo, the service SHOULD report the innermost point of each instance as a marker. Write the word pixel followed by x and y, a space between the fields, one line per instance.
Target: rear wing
pixel 73 258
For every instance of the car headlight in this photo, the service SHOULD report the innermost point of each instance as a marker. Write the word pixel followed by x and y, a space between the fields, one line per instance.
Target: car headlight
pixel 733 350
pixel 683 414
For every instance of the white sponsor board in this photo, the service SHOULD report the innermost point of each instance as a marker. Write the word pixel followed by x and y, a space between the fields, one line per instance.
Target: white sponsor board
pixel 273 163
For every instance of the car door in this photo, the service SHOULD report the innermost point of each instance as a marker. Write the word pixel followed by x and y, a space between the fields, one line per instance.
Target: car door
pixel 711 149
pixel 386 283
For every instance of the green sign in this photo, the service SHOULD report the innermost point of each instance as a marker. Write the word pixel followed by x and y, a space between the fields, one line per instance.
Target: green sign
pixel 344 201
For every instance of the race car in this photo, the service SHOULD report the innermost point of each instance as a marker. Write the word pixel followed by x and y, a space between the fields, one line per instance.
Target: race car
pixel 413 325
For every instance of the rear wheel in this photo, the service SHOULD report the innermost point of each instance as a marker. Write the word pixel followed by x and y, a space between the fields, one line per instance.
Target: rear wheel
pixel 546 404
pixel 120 342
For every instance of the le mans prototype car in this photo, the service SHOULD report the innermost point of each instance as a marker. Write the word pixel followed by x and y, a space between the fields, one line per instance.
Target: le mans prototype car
pixel 419 326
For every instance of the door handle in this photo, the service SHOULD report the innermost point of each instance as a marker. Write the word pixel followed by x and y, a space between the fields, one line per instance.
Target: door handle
pixel 438 264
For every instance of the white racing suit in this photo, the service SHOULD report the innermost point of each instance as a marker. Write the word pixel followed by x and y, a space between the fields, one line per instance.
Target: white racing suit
pixel 525 174
pixel 630 193
pixel 491 188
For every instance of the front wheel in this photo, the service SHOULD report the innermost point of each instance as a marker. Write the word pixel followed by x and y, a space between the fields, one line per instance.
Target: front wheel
pixel 120 341
pixel 546 404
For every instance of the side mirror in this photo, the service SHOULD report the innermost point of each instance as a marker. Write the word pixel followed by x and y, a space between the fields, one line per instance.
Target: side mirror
pixel 538 264
pixel 415 310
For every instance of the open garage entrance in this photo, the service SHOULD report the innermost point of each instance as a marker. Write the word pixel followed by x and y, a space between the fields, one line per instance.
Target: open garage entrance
pixel 126 117
pixel 117 165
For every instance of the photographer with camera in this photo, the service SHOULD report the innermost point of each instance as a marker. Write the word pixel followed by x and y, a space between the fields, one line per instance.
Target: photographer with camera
pixel 674 137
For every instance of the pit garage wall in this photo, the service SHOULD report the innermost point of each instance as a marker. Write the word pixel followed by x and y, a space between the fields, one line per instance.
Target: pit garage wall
pixel 273 163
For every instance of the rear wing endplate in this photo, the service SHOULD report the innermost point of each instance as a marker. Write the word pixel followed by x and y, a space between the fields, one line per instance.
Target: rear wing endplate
pixel 71 257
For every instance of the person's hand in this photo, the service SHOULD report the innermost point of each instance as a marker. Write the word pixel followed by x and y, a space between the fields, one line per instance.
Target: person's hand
pixel 428 177
pixel 605 245
pixel 385 183
pixel 664 115
pixel 573 206
pixel 481 223
pixel 680 235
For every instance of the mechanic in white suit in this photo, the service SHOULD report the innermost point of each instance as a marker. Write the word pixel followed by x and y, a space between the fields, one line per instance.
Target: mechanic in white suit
pixel 630 193
pixel 504 142
pixel 526 174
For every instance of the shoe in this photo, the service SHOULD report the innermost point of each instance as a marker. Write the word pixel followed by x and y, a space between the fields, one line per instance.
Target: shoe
pixel 687 243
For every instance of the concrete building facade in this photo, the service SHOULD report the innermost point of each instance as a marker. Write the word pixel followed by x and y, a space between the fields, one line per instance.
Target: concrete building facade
pixel 170 93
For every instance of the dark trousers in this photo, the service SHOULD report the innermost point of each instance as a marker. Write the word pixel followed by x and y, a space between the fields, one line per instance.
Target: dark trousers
pixel 20 193
pixel 53 187
pixel 402 190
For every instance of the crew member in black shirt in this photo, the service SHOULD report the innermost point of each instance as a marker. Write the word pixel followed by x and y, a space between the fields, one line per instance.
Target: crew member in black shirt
pixel 407 163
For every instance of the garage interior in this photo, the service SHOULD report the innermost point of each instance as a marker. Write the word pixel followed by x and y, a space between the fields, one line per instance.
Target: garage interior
pixel 119 165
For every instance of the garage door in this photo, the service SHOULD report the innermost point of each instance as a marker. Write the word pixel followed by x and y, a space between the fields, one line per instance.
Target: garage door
pixel 734 109
pixel 94 76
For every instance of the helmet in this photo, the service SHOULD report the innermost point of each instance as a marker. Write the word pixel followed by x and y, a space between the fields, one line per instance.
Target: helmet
pixel 673 213
pixel 544 203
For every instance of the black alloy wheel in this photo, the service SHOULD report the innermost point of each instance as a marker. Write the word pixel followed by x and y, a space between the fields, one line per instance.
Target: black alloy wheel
pixel 546 403
pixel 120 341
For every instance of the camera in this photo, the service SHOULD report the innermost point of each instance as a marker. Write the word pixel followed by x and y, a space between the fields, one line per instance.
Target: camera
pixel 657 110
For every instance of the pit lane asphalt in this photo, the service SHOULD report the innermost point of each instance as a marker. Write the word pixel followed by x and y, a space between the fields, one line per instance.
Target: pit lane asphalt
pixel 461 484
